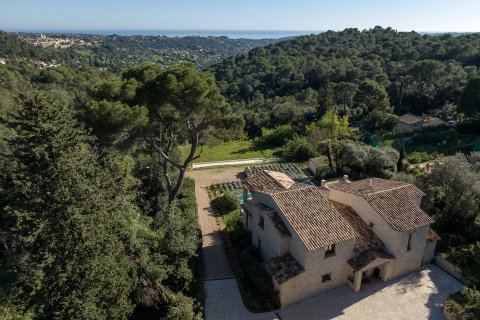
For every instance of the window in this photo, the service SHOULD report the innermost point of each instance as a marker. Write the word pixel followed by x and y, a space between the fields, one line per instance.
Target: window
pixel 371 225
pixel 261 223
pixel 409 244
pixel 330 250
pixel 326 277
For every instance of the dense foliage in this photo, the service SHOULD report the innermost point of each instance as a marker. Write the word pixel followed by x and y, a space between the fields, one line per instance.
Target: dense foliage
pixel 77 218
pixel 352 71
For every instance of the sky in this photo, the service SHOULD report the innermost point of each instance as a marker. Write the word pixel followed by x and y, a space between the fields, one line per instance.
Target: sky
pixel 312 15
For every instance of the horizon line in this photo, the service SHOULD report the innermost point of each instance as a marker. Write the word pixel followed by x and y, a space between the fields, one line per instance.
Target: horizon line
pixel 224 30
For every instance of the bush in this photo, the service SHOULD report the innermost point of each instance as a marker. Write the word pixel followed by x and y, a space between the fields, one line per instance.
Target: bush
pixel 465 304
pixel 377 162
pixel 277 136
pixel 355 155
pixel 382 162
pixel 298 149
pixel 468 259
pixel 225 203
pixel 258 281
pixel 419 157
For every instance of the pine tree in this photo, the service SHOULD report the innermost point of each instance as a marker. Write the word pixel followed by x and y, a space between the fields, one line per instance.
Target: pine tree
pixel 70 259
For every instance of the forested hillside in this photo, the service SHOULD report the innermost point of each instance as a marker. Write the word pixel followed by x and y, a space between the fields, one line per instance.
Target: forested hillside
pixel 118 52
pixel 291 79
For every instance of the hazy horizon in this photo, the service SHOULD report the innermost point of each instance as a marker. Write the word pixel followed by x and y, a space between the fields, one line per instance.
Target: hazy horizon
pixel 426 16
pixel 233 34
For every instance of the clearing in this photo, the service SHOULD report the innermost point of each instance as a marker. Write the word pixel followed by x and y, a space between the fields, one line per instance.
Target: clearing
pixel 233 150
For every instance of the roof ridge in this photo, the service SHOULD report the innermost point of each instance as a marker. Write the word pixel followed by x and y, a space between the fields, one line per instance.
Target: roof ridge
pixel 391 189
pixel 293 190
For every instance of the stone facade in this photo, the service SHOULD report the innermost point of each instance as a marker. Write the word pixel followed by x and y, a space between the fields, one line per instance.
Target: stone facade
pixel 395 242
pixel 340 263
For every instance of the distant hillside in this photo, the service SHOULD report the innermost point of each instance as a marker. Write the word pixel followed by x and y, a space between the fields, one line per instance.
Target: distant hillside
pixel 419 72
pixel 117 52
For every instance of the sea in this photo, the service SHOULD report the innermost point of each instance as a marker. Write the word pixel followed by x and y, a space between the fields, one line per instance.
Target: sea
pixel 233 34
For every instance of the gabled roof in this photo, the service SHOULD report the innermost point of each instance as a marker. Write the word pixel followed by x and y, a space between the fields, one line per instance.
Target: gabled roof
pixel 375 185
pixel 410 119
pixel 367 239
pixel 270 182
pixel 391 199
pixel 313 218
pixel 283 268
pixel 364 258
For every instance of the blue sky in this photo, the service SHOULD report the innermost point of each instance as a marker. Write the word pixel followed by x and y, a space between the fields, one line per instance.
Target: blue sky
pixel 406 15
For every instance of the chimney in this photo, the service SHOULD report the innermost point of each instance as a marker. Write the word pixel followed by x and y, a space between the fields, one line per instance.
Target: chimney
pixel 323 183
pixel 345 177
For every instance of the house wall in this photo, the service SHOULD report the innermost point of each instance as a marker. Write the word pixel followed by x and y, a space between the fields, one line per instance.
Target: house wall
pixel 395 242
pixel 309 283
pixel 429 252
pixel 272 244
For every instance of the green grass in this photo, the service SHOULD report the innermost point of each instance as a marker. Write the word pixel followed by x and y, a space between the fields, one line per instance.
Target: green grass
pixel 233 150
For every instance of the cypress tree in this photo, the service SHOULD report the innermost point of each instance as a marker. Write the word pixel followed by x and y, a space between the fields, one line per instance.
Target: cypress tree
pixel 68 254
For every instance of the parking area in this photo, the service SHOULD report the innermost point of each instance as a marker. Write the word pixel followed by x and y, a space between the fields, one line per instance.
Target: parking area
pixel 416 296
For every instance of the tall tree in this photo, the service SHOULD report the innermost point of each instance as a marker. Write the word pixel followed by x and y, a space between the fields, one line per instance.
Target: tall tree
pixel 370 96
pixel 344 94
pixel 329 134
pixel 185 105
pixel 470 99
pixel 63 241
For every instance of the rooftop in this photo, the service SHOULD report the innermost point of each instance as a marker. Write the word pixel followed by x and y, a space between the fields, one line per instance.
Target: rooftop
pixel 313 217
pixel 410 119
pixel 283 268
pixel 391 199
pixel 367 239
pixel 432 236
pixel 271 182
pixel 375 185
pixel 363 259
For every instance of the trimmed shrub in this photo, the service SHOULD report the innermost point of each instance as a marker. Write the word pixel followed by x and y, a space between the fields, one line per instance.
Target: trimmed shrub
pixel 226 203
pixel 298 149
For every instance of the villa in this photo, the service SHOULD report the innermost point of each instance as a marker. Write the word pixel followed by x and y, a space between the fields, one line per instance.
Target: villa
pixel 313 239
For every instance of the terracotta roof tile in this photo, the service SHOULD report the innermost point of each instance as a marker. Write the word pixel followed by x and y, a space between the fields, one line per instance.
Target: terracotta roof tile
pixel 283 268
pixel 270 182
pixel 364 258
pixel 367 239
pixel 401 214
pixel 391 199
pixel 374 185
pixel 313 217
pixel 432 236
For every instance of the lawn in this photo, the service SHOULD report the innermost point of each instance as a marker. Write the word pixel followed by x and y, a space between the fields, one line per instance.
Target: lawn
pixel 233 150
